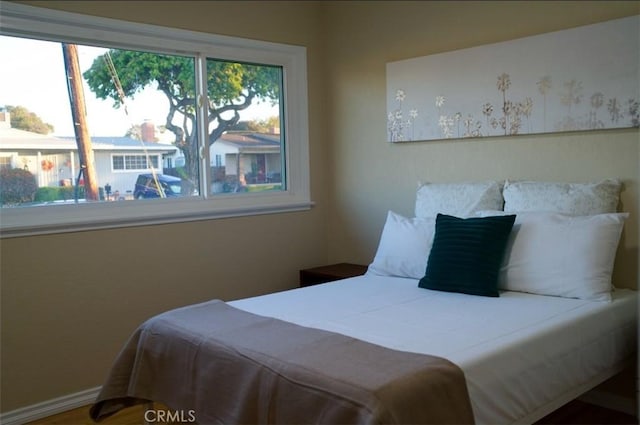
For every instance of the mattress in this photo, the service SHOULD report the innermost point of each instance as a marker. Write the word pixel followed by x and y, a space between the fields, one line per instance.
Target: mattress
pixel 523 355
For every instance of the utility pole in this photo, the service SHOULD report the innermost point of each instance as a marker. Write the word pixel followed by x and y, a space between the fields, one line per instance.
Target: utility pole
pixel 80 126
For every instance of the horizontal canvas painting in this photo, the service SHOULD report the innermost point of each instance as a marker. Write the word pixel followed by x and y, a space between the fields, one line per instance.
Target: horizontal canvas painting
pixel 585 78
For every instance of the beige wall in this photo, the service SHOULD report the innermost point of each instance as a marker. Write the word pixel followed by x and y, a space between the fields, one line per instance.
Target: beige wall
pixel 371 176
pixel 69 301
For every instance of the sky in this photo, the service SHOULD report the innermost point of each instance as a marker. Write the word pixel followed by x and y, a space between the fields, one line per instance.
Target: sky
pixel 32 75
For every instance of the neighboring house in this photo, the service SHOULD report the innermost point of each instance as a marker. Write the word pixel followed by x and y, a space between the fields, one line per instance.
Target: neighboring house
pixel 251 158
pixel 54 160
pixel 244 158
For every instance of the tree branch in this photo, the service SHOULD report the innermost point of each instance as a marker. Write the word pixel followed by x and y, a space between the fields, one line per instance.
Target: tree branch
pixel 225 124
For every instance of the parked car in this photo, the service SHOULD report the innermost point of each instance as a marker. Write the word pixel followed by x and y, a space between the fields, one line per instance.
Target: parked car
pixel 146 186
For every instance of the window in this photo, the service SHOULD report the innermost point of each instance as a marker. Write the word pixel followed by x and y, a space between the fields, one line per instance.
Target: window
pixel 5 162
pixel 224 117
pixel 134 162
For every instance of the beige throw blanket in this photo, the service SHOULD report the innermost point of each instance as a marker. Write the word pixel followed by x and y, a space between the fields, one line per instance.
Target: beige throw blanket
pixel 229 366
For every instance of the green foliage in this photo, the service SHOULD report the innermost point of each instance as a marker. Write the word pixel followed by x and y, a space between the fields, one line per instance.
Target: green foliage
pixel 136 70
pixel 231 87
pixel 23 119
pixel 266 126
pixel 258 126
pixel 69 192
pixel 17 186
pixel 47 194
pixel 134 132
pixel 62 193
pixel 264 188
pixel 228 83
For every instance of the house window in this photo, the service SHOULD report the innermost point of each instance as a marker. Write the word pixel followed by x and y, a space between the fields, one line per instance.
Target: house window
pixel 5 162
pixel 160 96
pixel 134 162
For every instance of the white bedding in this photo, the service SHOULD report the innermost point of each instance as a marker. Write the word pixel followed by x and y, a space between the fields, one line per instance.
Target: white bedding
pixel 523 355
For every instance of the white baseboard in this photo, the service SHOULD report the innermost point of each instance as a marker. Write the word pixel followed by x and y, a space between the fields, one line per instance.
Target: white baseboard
pixel 49 407
pixel 611 401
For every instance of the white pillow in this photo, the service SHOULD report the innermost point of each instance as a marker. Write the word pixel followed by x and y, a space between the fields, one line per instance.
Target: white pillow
pixel 457 199
pixel 561 255
pixel 404 247
pixel 566 198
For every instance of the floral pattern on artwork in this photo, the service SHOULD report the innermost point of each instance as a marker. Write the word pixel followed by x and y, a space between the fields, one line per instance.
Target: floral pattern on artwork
pixel 558 97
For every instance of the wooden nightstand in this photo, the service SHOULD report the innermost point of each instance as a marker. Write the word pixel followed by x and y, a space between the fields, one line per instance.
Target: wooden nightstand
pixel 330 273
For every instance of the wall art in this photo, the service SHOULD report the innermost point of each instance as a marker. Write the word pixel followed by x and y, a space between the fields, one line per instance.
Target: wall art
pixel 584 78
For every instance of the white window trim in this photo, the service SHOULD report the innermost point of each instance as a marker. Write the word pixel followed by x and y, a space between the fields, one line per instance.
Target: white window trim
pixel 33 22
pixel 136 170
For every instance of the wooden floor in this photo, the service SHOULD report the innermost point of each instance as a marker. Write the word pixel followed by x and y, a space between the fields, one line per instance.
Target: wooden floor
pixel 80 416
pixel 579 412
pixel 574 413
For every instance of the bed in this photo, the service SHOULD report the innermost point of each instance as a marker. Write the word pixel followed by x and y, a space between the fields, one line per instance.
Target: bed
pixel 511 366
pixel 511 343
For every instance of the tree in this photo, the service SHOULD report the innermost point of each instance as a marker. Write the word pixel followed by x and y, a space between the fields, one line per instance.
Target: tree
pixel 23 119
pixel 264 126
pixel 231 87
pixel 135 131
pixel 259 126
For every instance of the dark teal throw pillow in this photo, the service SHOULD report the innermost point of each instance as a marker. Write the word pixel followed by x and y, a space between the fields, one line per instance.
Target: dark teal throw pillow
pixel 467 254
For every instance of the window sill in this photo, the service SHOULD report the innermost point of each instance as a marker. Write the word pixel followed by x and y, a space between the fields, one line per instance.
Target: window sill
pixel 17 226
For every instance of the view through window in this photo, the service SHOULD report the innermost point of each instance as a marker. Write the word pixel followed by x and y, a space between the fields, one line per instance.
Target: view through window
pixel 107 123
pixel 81 123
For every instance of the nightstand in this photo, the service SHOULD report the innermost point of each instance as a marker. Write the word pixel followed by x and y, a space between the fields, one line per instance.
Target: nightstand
pixel 323 274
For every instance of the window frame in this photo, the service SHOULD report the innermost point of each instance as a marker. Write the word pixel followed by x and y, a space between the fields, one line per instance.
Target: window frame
pixel 3 160
pixel 58 26
pixel 146 159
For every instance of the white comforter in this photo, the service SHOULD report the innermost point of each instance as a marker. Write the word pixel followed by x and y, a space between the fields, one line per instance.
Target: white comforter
pixel 523 355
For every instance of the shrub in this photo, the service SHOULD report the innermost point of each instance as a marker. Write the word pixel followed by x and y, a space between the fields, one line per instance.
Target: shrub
pixel 47 194
pixel 17 186
pixel 66 192
pixel 62 193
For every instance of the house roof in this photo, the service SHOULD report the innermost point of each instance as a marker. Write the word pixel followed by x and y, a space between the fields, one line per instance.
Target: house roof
pixel 15 140
pixel 12 139
pixel 247 142
pixel 126 143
